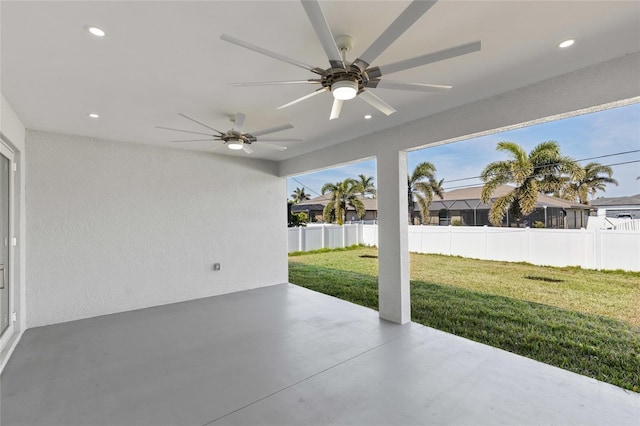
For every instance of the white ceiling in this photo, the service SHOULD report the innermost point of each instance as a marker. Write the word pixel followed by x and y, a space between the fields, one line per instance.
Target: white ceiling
pixel 164 58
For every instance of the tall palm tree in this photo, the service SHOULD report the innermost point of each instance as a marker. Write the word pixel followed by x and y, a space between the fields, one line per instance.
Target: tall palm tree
pixel 544 169
pixel 596 177
pixel 422 186
pixel 366 185
pixel 342 194
pixel 299 196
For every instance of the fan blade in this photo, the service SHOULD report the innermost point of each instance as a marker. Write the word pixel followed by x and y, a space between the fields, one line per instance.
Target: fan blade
pixel 321 27
pixel 195 140
pixel 400 85
pixel 196 121
pixel 271 146
pixel 336 108
pixel 275 83
pixel 272 130
pixel 376 102
pixel 267 53
pixel 407 18
pixel 238 122
pixel 280 140
pixel 430 58
pixel 317 92
pixel 246 148
pixel 185 131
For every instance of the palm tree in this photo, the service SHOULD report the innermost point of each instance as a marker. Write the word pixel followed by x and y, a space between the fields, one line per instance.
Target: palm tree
pixel 596 177
pixel 299 196
pixel 366 185
pixel 544 169
pixel 422 186
pixel 342 194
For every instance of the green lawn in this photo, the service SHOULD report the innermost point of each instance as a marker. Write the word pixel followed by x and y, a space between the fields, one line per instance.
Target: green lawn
pixel 583 321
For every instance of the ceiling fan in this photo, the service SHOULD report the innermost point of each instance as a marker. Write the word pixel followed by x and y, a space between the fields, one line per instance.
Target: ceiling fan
pixel 235 138
pixel 347 80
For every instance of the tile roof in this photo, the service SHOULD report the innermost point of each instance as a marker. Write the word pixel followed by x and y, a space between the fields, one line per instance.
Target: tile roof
pixel 466 198
pixel 632 200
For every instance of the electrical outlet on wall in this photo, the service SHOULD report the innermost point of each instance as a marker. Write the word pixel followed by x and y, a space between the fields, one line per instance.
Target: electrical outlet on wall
pixel 216 266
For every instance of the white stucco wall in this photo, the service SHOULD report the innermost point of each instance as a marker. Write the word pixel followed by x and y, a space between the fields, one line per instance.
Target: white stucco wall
pixel 116 226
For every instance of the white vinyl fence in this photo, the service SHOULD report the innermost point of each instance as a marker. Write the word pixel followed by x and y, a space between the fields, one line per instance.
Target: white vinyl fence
pixel 590 249
pixel 629 225
pixel 315 237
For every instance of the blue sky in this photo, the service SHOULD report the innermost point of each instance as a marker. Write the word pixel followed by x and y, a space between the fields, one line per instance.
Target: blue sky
pixel 590 135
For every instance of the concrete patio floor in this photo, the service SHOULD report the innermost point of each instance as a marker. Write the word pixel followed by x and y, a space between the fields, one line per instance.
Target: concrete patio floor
pixel 284 355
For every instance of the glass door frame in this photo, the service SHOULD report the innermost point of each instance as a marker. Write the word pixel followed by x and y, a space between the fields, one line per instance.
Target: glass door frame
pixel 6 336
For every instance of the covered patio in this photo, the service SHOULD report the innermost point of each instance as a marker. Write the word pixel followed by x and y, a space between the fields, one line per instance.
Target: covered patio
pixel 285 355
pixel 146 280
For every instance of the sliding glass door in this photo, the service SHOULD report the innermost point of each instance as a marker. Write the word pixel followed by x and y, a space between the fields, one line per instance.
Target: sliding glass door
pixel 5 242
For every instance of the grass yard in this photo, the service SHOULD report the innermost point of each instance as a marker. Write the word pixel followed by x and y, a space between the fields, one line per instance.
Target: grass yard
pixel 580 320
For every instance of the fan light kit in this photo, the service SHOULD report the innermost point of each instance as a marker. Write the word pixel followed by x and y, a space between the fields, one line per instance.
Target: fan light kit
pixel 234 145
pixel 344 90
pixel 347 80
pixel 93 115
pixel 235 139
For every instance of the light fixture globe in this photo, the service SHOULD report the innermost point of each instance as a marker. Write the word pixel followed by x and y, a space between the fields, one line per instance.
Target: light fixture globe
pixel 344 89
pixel 235 145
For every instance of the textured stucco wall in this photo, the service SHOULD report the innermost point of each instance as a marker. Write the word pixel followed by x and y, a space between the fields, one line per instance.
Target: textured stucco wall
pixel 114 226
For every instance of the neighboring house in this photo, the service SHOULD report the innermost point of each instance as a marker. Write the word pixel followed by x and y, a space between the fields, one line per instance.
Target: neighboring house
pixel 315 207
pixel 618 207
pixel 464 207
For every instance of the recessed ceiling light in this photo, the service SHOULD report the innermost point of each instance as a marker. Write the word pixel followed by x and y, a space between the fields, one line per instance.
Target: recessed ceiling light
pixel 93 115
pixel 96 31
pixel 566 43
pixel 367 117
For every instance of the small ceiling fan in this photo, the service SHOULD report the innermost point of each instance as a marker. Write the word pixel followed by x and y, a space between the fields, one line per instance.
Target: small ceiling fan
pixel 235 138
pixel 347 80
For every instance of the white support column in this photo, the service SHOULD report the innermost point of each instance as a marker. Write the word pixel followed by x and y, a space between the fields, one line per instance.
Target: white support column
pixel 393 248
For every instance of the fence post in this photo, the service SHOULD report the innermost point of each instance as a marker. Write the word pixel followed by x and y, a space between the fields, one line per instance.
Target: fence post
pixel 344 235
pixel 450 240
pixel 486 242
pixel 598 249
pixel 527 232
pixel 323 231
pixel 585 261
pixel 300 237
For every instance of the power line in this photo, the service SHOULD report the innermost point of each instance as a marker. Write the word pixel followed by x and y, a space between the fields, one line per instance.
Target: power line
pixel 555 164
pixel 475 184
pixel 304 186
